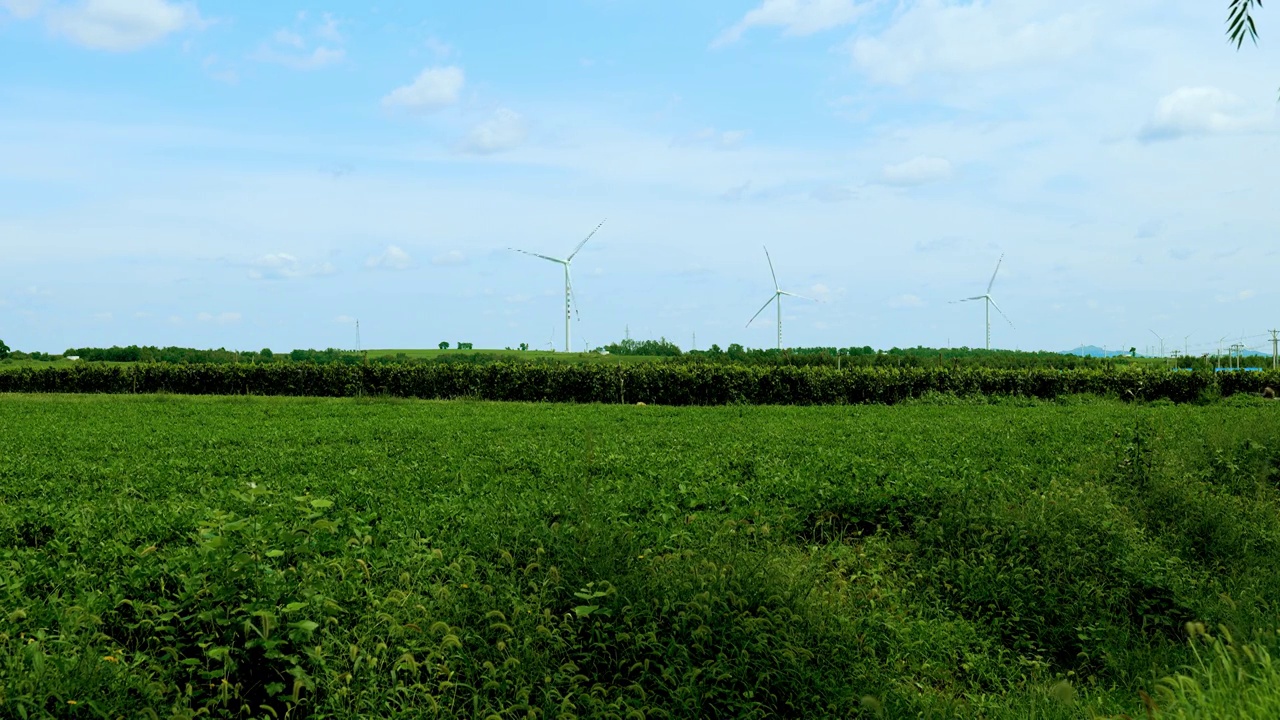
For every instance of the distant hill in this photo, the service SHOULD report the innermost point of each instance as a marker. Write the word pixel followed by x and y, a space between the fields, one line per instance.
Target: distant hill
pixel 1094 351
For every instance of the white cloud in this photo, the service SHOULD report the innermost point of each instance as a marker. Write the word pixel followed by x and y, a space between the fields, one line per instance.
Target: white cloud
pixel 711 137
pixel 328 29
pixel 1190 111
pixel 288 37
pixel 916 171
pixel 438 47
pixel 905 301
pixel 102 317
pixel 795 17
pixel 937 36
pixel 283 266
pixel 1236 297
pixel 433 89
pixel 453 257
pixel 393 258
pixel 226 318
pixel 820 292
pixel 22 9
pixel 214 68
pixel 504 131
pixel 291 48
pixel 118 25
pixel 345 320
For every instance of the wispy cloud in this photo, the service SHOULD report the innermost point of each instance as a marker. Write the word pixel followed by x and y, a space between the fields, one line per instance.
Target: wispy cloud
pixel 937 36
pixel 795 17
pixel 223 318
pixel 112 25
pixel 283 266
pixel 305 46
pixel 504 131
pixel 1192 111
pixel 393 258
pixel 916 171
pixel 434 88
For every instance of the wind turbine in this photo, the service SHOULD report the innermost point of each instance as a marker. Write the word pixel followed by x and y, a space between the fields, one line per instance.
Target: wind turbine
pixel 776 297
pixel 990 302
pixel 569 302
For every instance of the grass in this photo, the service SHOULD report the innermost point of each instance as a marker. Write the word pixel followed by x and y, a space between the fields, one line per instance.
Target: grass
pixel 389 558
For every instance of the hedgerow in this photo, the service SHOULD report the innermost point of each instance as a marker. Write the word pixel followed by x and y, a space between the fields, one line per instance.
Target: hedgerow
pixel 659 383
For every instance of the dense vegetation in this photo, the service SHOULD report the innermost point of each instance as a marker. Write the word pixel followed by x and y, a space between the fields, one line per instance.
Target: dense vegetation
pixel 666 384
pixel 656 351
pixel 343 558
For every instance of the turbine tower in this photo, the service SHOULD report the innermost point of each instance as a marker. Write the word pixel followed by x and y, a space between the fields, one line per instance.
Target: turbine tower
pixel 570 305
pixel 775 298
pixel 990 302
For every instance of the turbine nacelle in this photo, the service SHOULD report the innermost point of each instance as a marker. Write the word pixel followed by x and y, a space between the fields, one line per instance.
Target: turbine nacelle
pixel 570 302
pixel 778 292
pixel 990 302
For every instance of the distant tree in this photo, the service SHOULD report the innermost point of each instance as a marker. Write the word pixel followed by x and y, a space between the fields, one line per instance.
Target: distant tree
pixel 464 346
pixel 444 345
pixel 267 355
pixel 4 350
pixel 524 346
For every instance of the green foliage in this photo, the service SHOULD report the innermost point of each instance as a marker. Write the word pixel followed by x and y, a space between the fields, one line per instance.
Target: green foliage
pixel 270 557
pixel 1227 680
pixel 651 383
pixel 1240 23
pixel 4 351
pixel 646 348
pixel 444 345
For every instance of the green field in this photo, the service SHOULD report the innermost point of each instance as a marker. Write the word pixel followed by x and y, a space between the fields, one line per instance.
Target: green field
pixel 252 557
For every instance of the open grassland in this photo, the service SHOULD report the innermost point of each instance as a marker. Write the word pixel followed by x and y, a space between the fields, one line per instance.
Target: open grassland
pixel 342 558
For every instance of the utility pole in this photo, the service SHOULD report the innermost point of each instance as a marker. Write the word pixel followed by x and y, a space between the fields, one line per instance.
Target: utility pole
pixel 357 336
pixel 695 341
pixel 1275 349
pixel 1236 349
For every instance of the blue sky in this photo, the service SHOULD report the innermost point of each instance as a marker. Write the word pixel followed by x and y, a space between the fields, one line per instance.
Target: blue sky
pixel 261 174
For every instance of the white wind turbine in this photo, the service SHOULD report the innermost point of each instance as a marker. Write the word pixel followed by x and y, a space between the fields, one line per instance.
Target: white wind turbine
pixel 990 302
pixel 569 303
pixel 776 298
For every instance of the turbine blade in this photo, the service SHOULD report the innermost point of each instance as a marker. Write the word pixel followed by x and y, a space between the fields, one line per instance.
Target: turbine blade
pixel 544 257
pixel 762 307
pixel 997 307
pixel 993 275
pixel 802 297
pixel 976 297
pixel 771 272
pixel 585 239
